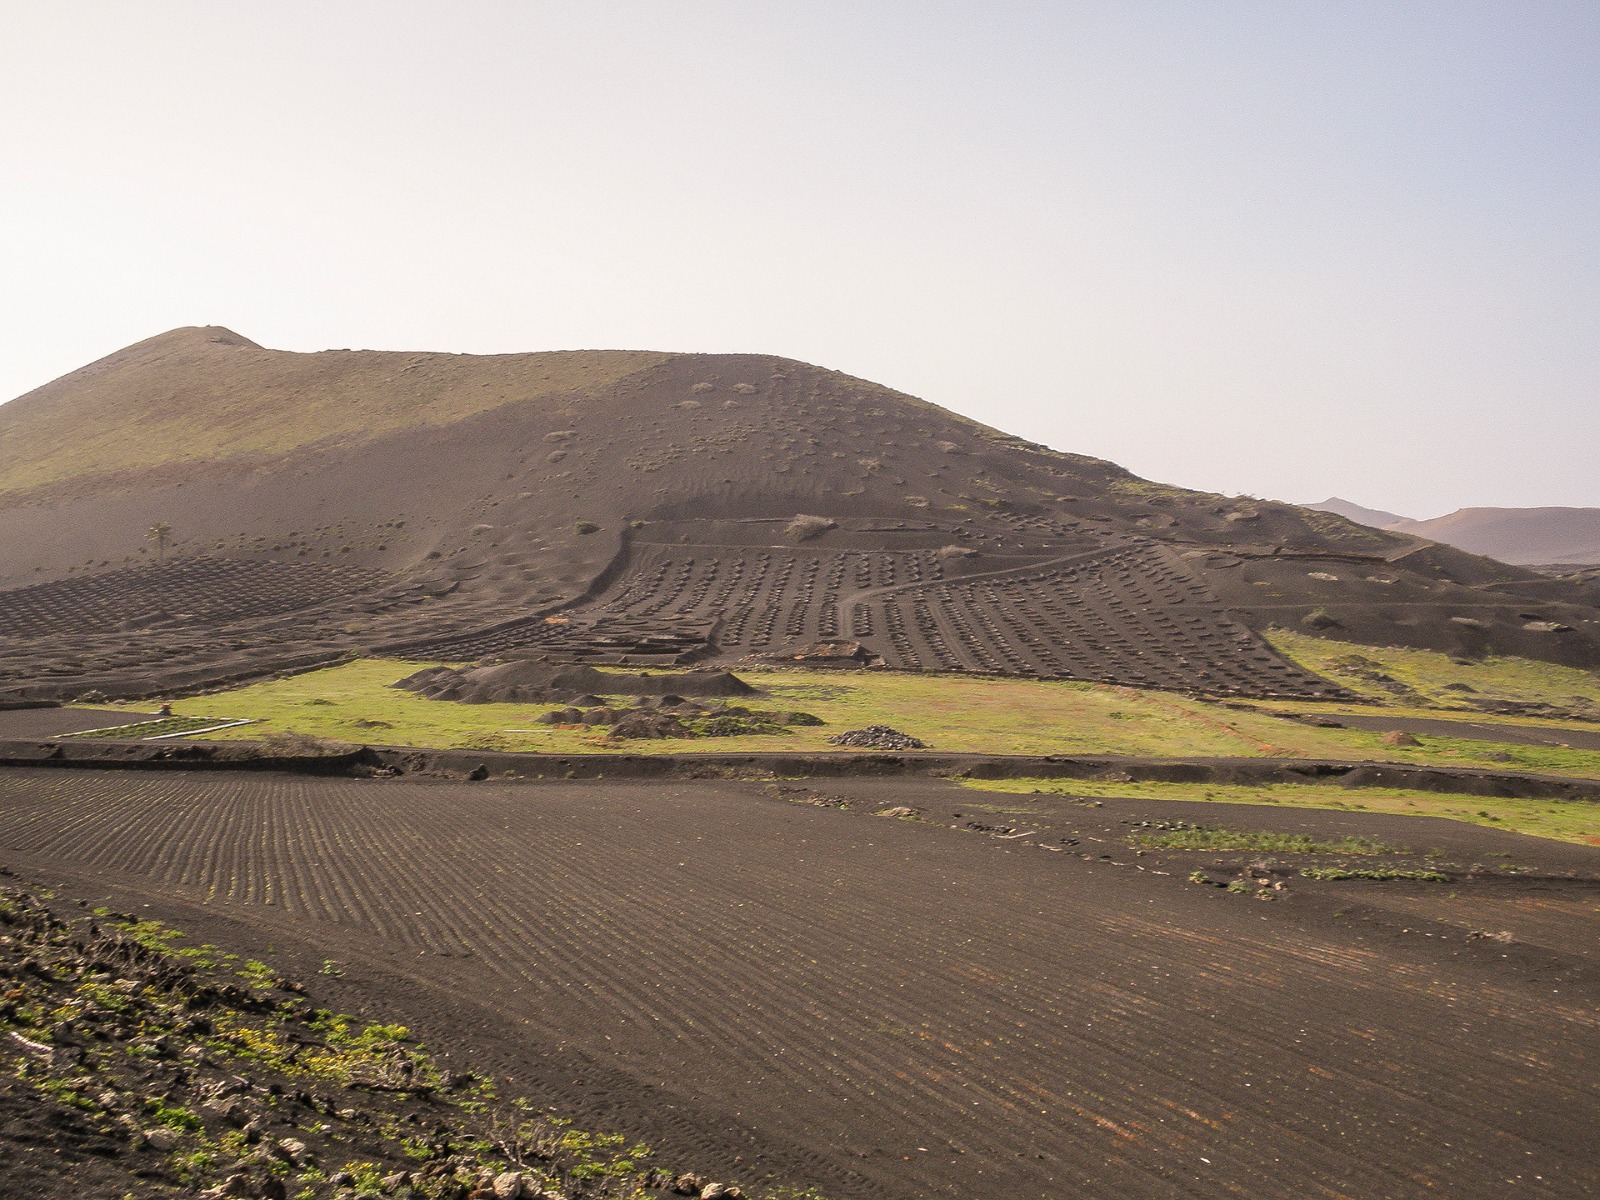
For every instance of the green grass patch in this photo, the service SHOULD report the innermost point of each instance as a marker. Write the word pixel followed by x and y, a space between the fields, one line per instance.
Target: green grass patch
pixel 1438 679
pixel 1565 821
pixel 161 727
pixel 353 703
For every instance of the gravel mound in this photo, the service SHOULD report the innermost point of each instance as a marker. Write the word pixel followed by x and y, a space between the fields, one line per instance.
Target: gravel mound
pixel 878 737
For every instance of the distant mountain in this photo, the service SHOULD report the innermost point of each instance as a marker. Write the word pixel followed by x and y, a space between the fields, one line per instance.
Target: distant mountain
pixel 1521 536
pixel 1524 536
pixel 1374 517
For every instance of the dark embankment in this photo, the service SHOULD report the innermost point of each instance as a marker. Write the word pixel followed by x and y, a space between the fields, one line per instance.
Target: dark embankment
pixel 363 761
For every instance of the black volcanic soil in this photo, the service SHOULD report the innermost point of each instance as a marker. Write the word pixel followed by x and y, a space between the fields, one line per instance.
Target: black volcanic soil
pixel 642 509
pixel 999 996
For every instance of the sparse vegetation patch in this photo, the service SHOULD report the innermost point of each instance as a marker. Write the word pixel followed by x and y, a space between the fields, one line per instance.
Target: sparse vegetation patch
pixel 951 712
pixel 1374 873
pixel 1257 839
pixel 1431 680
pixel 161 728
pixel 1574 821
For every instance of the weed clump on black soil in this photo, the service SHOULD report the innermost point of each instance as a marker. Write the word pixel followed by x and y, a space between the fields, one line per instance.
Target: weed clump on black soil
pixel 1377 873
pixel 1198 838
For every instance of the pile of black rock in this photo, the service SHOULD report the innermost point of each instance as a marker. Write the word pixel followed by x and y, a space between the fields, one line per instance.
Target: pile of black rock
pixel 674 717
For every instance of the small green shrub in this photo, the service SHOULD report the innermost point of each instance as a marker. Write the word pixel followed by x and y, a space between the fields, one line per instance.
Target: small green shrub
pixel 1257 840
pixel 174 1117
pixel 1319 618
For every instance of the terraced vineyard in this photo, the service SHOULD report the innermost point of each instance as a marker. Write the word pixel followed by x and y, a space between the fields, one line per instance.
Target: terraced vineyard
pixel 883 1008
pixel 1129 613
pixel 130 630
pixel 194 591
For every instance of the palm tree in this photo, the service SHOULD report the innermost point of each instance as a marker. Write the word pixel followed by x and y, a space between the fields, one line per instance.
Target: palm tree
pixel 159 533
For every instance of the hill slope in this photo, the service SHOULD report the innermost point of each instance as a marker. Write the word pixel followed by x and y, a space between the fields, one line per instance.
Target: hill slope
pixel 206 394
pixel 646 507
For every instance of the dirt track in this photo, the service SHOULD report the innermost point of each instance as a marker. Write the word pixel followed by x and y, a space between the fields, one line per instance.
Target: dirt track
pixel 52 722
pixel 881 1007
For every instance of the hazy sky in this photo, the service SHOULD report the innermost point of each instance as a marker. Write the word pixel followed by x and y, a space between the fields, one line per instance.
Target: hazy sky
pixel 1288 249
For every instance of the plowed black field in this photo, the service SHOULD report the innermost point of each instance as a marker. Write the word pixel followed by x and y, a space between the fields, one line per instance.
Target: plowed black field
pixel 876 1007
